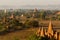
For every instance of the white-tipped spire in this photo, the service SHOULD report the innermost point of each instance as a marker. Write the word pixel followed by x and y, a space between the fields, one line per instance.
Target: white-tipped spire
pixel 5 11
pixel 42 32
pixel 22 15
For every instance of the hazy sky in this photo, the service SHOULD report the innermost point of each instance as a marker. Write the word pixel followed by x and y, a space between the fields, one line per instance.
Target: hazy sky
pixel 29 2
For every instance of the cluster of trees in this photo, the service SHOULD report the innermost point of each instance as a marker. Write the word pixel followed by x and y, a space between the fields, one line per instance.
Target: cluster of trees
pixel 14 24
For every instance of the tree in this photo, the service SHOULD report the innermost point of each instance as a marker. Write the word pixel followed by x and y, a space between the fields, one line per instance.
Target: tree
pixel 32 23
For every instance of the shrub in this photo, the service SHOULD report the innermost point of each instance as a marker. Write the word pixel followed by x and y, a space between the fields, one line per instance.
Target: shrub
pixel 32 23
pixel 34 37
pixel 15 38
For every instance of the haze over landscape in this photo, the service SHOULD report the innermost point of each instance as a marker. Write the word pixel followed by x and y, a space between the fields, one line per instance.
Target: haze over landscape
pixel 42 4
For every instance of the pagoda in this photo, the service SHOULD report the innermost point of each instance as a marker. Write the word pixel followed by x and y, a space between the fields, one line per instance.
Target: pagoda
pixel 50 33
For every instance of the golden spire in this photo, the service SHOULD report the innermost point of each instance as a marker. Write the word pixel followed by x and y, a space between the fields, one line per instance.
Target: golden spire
pixel 56 35
pixel 42 32
pixel 38 32
pixel 50 30
pixel 46 32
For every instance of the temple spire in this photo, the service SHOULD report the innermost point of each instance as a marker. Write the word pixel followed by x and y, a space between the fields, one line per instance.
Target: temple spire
pixel 50 30
pixel 38 32
pixel 22 15
pixel 12 16
pixel 56 35
pixel 5 11
pixel 4 19
pixel 42 32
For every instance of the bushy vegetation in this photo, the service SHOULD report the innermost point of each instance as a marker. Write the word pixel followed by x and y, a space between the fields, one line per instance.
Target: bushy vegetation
pixel 14 24
pixel 16 38
pixel 35 37
pixel 32 23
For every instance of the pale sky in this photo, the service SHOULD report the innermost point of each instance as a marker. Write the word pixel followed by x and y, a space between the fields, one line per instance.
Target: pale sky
pixel 29 2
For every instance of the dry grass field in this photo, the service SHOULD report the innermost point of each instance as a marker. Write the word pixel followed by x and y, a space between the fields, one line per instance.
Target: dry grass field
pixel 21 34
